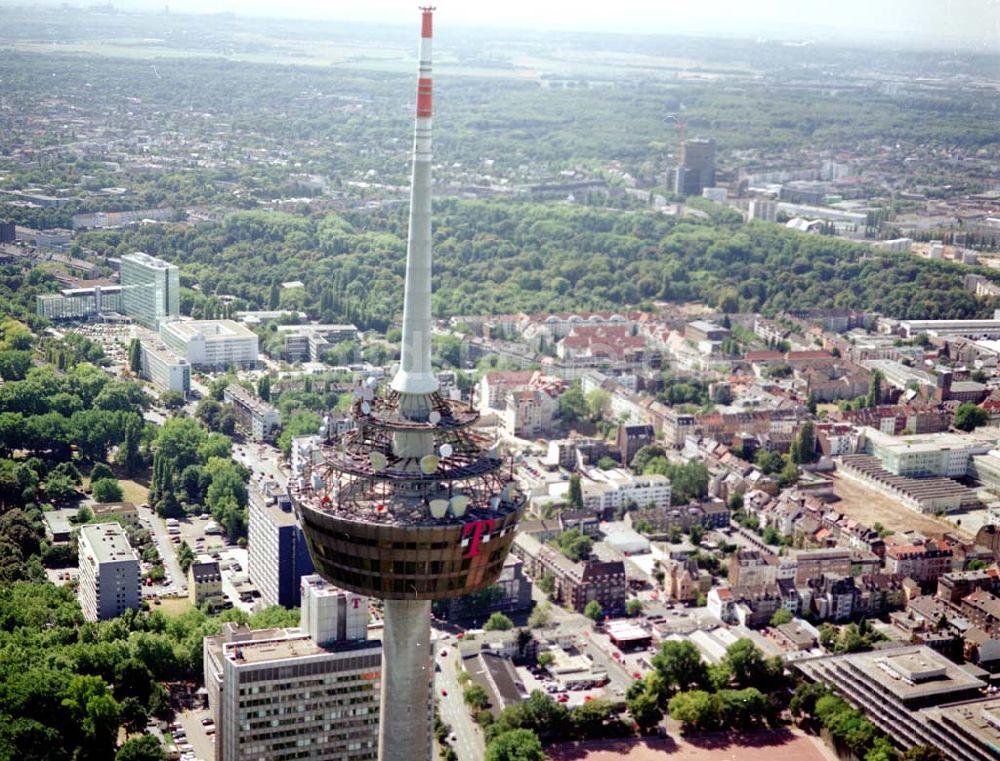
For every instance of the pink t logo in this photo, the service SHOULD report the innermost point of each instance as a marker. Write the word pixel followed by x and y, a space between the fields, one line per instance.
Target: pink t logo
pixel 474 532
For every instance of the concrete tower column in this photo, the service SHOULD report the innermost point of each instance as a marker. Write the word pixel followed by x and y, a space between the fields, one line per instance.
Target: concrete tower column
pixel 405 728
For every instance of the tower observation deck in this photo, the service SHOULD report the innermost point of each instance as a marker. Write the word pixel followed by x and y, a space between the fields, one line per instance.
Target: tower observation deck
pixel 413 504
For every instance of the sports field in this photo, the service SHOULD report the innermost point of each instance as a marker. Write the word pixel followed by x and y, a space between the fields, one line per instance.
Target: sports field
pixel 758 746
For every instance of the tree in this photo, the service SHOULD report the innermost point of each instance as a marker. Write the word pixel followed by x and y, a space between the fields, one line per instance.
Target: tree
pixel 874 397
pixel 144 748
pixel 969 416
pixel 781 616
pixel 804 446
pixel 574 544
pixel 135 356
pixel 498 622
pixel 572 405
pixel 515 745
pixel 593 610
pixel 746 663
pixel 107 490
pixel 680 665
pixel 541 615
pixel 575 495
pixel 547 583
pixel 923 753
pixel 128 453
pixel 60 488
pixel 645 710
pixel 633 607
pixel 172 400
pixel 99 471
pixel 598 404
pixel 476 697
pixel 697 709
pixel 185 556
pixel 811 403
pixel 264 388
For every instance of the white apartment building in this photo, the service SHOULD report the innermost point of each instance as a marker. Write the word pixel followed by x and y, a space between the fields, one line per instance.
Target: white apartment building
pixel 946 455
pixel 254 416
pixel 608 490
pixel 163 368
pixel 211 343
pixel 109 572
pixel 309 692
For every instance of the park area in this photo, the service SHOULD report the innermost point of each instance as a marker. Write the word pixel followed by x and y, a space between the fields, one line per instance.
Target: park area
pixel 779 745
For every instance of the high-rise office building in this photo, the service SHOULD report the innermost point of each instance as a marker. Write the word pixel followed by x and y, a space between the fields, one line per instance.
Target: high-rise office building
pixel 305 693
pixel 278 555
pixel 410 505
pixel 696 170
pixel 151 289
pixel 109 572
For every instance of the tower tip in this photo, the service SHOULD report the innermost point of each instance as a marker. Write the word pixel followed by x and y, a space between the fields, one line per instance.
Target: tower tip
pixel 428 11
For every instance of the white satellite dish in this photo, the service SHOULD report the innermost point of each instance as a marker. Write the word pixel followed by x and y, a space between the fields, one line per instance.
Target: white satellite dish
pixel 439 507
pixel 494 502
pixel 505 494
pixel 446 450
pixel 428 464
pixel 494 451
pixel 366 408
pixel 459 504
pixel 368 394
pixel 434 417
pixel 378 461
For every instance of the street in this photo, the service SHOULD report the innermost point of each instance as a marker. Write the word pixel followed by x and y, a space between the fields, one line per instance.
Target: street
pixel 157 527
pixel 469 743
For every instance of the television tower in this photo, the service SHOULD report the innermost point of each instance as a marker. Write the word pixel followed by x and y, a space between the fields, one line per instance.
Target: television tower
pixel 411 505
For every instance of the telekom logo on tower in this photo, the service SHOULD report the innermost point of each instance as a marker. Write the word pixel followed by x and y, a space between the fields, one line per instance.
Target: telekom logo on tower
pixel 474 533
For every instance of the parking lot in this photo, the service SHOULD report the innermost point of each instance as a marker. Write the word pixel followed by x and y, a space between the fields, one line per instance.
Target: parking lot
pixel 194 733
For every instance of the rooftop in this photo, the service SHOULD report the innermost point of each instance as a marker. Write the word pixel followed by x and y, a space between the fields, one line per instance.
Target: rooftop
pixel 108 542
pixel 293 644
pixel 208 329
pixel 146 260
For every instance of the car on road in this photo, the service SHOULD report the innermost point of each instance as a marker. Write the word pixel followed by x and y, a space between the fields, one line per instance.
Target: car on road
pixel 444 653
pixel 444 693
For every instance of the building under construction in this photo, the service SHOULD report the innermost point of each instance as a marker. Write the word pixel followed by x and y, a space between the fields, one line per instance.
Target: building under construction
pixel 412 505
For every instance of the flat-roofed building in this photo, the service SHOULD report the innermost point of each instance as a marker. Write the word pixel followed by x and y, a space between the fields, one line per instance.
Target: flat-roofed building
pixel 308 692
pixel 945 455
pixel 163 368
pixel 151 289
pixel 904 691
pixel 109 572
pixel 278 557
pixel 79 303
pixel 124 512
pixel 211 343
pixel 254 416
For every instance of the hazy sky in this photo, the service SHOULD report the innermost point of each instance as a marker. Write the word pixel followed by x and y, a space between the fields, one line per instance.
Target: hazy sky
pixel 917 19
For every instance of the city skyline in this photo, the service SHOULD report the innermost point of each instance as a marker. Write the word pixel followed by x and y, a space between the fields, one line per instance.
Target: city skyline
pixel 911 22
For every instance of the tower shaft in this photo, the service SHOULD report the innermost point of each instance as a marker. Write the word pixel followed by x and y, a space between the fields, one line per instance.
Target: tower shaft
pixel 405 709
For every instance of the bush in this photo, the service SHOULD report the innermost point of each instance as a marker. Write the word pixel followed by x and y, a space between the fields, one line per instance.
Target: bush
pixel 107 490
pixel 498 622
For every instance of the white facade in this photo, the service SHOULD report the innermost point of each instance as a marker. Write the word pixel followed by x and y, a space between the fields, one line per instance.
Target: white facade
pixel 211 343
pixel 150 289
pixel 617 488
pixel 163 368
pixel 931 454
pixel 109 572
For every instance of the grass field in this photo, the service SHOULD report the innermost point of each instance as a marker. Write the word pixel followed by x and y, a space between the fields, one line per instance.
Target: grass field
pixel 134 492
pixel 173 606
